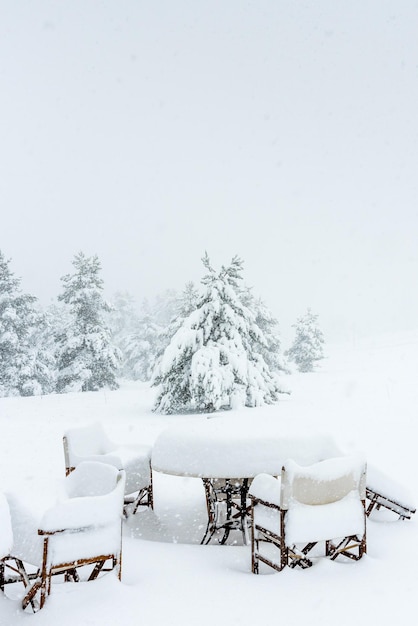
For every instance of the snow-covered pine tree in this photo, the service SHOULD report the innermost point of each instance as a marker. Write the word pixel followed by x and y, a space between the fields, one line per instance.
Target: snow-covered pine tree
pixel 21 360
pixel 123 315
pixel 269 326
pixel 181 308
pixel 140 348
pixel 137 334
pixel 123 320
pixel 87 359
pixel 42 362
pixel 188 301
pixel 210 362
pixel 307 347
pixel 164 307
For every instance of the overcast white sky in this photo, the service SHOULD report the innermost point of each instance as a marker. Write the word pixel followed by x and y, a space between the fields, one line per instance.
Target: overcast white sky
pixel 147 132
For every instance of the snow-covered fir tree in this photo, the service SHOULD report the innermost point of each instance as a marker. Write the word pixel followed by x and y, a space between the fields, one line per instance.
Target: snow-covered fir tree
pixel 164 307
pixel 123 320
pixel 140 348
pixel 24 365
pixel 307 347
pixel 188 301
pixel 137 334
pixel 42 364
pixel 211 362
pixel 87 359
pixel 123 315
pixel 269 326
pixel 144 335
pixel 181 307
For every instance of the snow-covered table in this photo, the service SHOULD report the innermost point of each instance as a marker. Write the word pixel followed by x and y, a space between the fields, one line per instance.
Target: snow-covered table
pixel 227 453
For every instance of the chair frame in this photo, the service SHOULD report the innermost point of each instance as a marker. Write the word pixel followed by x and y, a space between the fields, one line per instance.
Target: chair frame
pixel 19 574
pixel 378 500
pixel 41 585
pixel 259 534
pixel 144 497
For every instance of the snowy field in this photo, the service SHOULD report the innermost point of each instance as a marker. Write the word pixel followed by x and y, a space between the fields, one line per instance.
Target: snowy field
pixel 365 395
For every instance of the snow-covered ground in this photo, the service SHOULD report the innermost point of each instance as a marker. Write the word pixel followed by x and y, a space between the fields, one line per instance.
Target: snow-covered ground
pixel 364 394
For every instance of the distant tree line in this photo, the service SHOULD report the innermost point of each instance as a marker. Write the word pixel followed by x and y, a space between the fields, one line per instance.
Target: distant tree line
pixel 205 348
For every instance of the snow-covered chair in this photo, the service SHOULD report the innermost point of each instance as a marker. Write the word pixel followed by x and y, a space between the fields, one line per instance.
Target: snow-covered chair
pixel 383 491
pixel 90 443
pixel 315 510
pixel 79 537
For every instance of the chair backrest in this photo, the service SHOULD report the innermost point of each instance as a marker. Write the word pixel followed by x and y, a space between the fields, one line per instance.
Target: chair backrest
pixel 324 482
pixel 6 535
pixel 91 479
pixel 84 442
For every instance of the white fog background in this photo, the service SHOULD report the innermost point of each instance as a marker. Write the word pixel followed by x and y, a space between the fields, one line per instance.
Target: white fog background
pixel 147 132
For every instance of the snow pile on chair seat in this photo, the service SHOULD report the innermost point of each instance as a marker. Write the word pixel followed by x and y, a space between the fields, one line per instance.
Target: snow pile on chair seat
pixel 306 523
pixel 98 540
pixel 6 537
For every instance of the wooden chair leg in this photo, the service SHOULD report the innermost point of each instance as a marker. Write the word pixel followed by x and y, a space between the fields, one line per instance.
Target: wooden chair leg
pixel 96 570
pixel 117 565
pixel 254 543
pixel 30 597
pixel 299 558
pixel 71 575
pixel 345 547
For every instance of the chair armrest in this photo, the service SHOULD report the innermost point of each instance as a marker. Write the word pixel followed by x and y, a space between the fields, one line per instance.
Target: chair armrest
pixel 58 531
